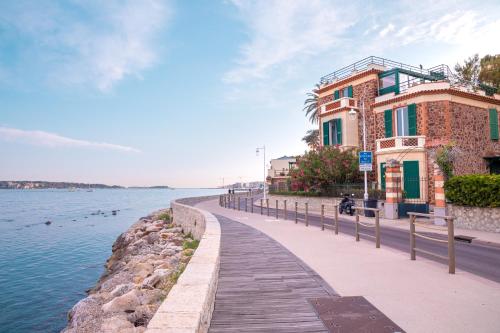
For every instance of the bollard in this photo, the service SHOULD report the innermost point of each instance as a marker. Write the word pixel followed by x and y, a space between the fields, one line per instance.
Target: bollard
pixel 251 204
pixel 267 206
pixel 276 209
pixel 284 213
pixel 239 203
pixel 307 215
pixel 357 225
pixel 296 212
pixel 234 202
pixel 451 246
pixel 336 219
pixel 413 254
pixel 246 204
pixel 261 206
pixel 377 230
pixel 322 217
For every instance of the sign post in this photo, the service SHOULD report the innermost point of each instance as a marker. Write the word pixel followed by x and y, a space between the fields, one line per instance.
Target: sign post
pixel 365 164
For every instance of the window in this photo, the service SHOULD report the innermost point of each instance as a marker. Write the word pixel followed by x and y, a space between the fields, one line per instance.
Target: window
pixel 344 92
pixel 387 81
pixel 402 121
pixel 336 131
pixel 406 120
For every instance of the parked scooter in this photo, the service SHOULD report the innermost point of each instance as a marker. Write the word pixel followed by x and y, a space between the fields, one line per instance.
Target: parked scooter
pixel 347 204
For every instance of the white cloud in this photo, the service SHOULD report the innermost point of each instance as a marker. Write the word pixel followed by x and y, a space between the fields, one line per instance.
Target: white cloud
pixel 89 43
pixel 388 28
pixel 284 32
pixel 41 138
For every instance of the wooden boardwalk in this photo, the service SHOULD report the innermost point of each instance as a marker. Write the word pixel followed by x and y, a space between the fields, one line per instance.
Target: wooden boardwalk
pixel 262 286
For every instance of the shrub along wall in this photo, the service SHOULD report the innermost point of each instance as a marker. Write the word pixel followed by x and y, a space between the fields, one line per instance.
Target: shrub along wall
pixel 474 190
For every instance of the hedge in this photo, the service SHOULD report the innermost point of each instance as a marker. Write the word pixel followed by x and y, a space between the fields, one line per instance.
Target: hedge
pixel 474 190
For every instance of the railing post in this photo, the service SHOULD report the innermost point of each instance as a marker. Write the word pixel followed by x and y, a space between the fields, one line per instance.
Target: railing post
pixel 451 245
pixel 377 230
pixel 296 212
pixel 239 203
pixel 246 204
pixel 261 206
pixel 276 209
pixel 251 204
pixel 267 206
pixel 412 237
pixel 336 208
pixel 307 214
pixel 322 217
pixel 357 225
pixel 284 213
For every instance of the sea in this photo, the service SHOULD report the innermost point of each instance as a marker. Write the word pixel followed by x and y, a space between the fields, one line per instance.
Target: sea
pixel 46 268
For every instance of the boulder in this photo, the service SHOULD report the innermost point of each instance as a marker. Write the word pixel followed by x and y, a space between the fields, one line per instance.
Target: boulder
pixel 122 289
pixel 157 276
pixel 126 302
pixel 117 324
pixel 85 316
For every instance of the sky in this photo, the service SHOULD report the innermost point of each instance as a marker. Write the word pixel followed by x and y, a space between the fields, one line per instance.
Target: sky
pixel 181 93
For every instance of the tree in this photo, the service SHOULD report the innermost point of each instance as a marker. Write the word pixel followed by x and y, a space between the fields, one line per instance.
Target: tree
pixel 469 71
pixel 490 71
pixel 311 105
pixel 312 138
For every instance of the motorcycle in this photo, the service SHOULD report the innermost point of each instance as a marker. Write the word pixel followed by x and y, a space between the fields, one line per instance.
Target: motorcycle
pixel 347 204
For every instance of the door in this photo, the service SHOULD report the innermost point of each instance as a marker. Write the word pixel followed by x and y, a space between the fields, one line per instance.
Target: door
pixel 411 180
pixel 382 176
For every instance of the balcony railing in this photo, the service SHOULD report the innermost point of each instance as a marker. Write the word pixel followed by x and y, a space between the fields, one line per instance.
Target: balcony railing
pixel 400 143
pixel 339 103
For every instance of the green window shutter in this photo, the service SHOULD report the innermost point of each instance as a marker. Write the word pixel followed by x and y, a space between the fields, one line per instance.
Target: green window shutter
pixel 412 119
pixel 326 133
pixel 349 91
pixel 336 95
pixel 493 124
pixel 338 125
pixel 388 123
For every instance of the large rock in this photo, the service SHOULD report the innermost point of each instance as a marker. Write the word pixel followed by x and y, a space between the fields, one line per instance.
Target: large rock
pixel 117 324
pixel 85 316
pixel 126 302
pixel 158 275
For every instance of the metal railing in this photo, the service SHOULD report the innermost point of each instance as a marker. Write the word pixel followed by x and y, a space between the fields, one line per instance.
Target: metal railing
pixel 450 241
pixel 376 225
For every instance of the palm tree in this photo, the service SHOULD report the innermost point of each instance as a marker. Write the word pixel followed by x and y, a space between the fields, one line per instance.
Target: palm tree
pixel 311 105
pixel 312 138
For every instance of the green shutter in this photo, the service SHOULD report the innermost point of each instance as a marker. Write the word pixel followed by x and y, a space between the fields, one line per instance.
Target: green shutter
pixel 349 91
pixel 411 179
pixel 493 124
pixel 388 123
pixel 382 176
pixel 338 125
pixel 412 119
pixel 326 133
pixel 336 95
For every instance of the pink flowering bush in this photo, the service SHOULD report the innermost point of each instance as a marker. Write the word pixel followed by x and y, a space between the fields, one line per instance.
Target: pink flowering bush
pixel 319 169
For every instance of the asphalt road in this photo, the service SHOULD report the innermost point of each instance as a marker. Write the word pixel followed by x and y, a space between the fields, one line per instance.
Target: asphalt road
pixel 478 258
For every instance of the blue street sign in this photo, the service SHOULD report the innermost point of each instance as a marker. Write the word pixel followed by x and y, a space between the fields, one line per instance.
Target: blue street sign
pixel 365 161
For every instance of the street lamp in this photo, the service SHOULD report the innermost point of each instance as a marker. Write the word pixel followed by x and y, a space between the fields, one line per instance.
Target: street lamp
pixel 352 115
pixel 263 149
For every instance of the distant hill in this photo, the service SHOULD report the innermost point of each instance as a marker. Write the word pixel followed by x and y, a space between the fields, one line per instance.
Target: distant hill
pixel 29 184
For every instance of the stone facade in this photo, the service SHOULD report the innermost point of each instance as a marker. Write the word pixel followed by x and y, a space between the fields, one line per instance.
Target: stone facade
pixel 476 218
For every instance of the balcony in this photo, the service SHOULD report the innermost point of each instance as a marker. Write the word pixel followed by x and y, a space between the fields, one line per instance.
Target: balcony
pixel 400 144
pixel 344 102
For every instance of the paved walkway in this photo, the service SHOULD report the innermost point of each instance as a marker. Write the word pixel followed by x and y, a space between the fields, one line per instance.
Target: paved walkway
pixel 419 296
pixel 262 286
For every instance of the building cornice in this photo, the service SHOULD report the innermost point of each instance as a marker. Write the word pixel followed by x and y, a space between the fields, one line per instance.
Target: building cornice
pixel 454 92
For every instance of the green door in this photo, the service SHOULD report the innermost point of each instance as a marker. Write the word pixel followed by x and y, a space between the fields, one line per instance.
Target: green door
pixel 411 179
pixel 382 176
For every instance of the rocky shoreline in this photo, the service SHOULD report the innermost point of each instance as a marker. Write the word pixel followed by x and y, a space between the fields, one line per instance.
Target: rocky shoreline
pixel 146 262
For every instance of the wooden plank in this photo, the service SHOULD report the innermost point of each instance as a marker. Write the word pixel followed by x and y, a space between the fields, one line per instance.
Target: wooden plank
pixel 262 286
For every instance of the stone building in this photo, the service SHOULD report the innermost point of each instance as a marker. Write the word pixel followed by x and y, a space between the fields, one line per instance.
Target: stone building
pixel 410 111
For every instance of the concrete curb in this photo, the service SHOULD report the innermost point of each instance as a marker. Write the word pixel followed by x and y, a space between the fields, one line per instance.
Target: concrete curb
pixel 189 305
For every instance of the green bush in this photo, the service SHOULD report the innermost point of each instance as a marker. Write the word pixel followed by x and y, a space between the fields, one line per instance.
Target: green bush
pixel 474 190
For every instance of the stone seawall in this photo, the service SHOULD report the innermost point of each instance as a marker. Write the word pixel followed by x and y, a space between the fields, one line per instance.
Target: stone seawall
pixel 475 218
pixel 189 305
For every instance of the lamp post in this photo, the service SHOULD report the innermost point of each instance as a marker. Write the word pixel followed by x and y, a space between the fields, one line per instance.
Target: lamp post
pixel 263 149
pixel 352 114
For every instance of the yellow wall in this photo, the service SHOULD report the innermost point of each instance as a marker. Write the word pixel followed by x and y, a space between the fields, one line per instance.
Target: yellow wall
pixel 349 129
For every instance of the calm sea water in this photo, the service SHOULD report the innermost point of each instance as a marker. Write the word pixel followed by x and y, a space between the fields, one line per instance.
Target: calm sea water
pixel 45 270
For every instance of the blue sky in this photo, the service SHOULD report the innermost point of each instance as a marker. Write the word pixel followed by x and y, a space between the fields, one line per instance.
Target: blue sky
pixel 182 92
